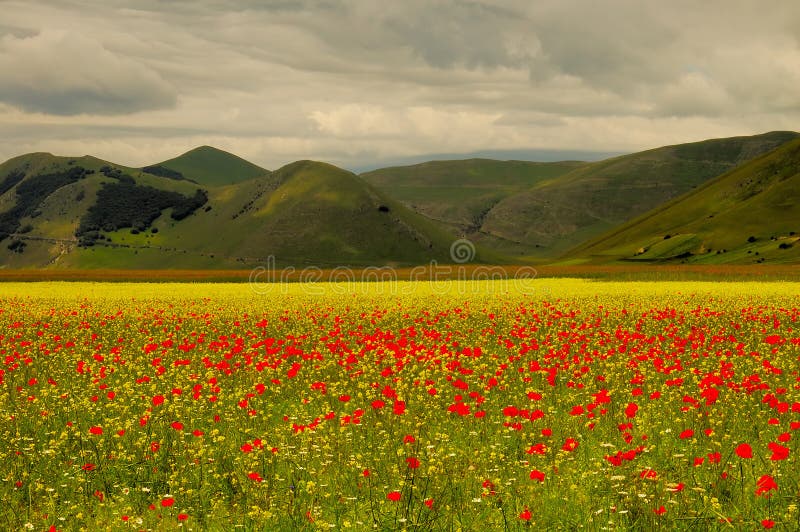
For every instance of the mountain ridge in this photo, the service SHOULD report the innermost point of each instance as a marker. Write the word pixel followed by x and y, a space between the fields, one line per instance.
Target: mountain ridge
pixel 105 215
pixel 208 208
pixel 749 214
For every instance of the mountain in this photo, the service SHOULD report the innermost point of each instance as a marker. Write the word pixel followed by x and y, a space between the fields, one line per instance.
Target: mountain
pixel 207 166
pixel 540 155
pixel 87 213
pixel 748 215
pixel 722 200
pixel 459 193
pixel 562 210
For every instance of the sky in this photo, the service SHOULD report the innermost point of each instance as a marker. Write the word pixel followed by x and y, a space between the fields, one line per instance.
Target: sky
pixel 361 82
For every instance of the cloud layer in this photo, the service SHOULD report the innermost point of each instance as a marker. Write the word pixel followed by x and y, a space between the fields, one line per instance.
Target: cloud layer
pixel 66 73
pixel 359 81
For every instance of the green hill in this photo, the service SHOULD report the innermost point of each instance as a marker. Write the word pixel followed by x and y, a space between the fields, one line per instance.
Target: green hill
pixel 302 214
pixel 459 193
pixel 558 214
pixel 88 213
pixel 723 200
pixel 748 215
pixel 208 166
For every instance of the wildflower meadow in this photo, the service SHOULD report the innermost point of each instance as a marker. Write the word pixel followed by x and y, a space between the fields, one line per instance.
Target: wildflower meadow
pixel 431 406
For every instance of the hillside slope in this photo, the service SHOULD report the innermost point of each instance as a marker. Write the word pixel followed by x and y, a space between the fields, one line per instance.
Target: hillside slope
pixel 87 213
pixel 750 214
pixel 459 193
pixel 556 215
pixel 302 214
pixel 208 166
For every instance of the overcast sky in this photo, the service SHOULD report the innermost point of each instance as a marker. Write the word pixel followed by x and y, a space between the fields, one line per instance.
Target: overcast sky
pixel 356 82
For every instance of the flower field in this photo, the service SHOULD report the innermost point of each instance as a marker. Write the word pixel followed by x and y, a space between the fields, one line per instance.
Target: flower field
pixel 425 407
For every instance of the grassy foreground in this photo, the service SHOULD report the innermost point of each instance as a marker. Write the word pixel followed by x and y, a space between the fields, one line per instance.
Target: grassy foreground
pixel 555 404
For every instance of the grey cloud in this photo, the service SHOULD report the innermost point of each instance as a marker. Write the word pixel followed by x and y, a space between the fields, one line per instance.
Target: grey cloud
pixel 306 78
pixel 67 73
pixel 472 34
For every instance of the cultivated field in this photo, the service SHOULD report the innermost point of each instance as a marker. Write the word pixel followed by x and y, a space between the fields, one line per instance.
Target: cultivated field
pixel 555 404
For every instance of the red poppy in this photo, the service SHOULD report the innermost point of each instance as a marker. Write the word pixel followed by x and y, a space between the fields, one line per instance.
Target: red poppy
pixel 166 502
pixel 537 475
pixel 539 448
pixel 743 450
pixel 649 474
pixel 686 434
pixel 525 515
pixel 158 400
pixel 767 523
pixel 96 430
pixel 177 425
pixel 393 496
pixel 577 410
pixel 570 444
pixel 765 484
pixel 412 462
pixel 779 452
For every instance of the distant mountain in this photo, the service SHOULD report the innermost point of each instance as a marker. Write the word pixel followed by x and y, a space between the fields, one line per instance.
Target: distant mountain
pixel 541 210
pixel 539 155
pixel 748 215
pixel 208 166
pixel 558 214
pixel 87 213
pixel 459 193
pixel 722 200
